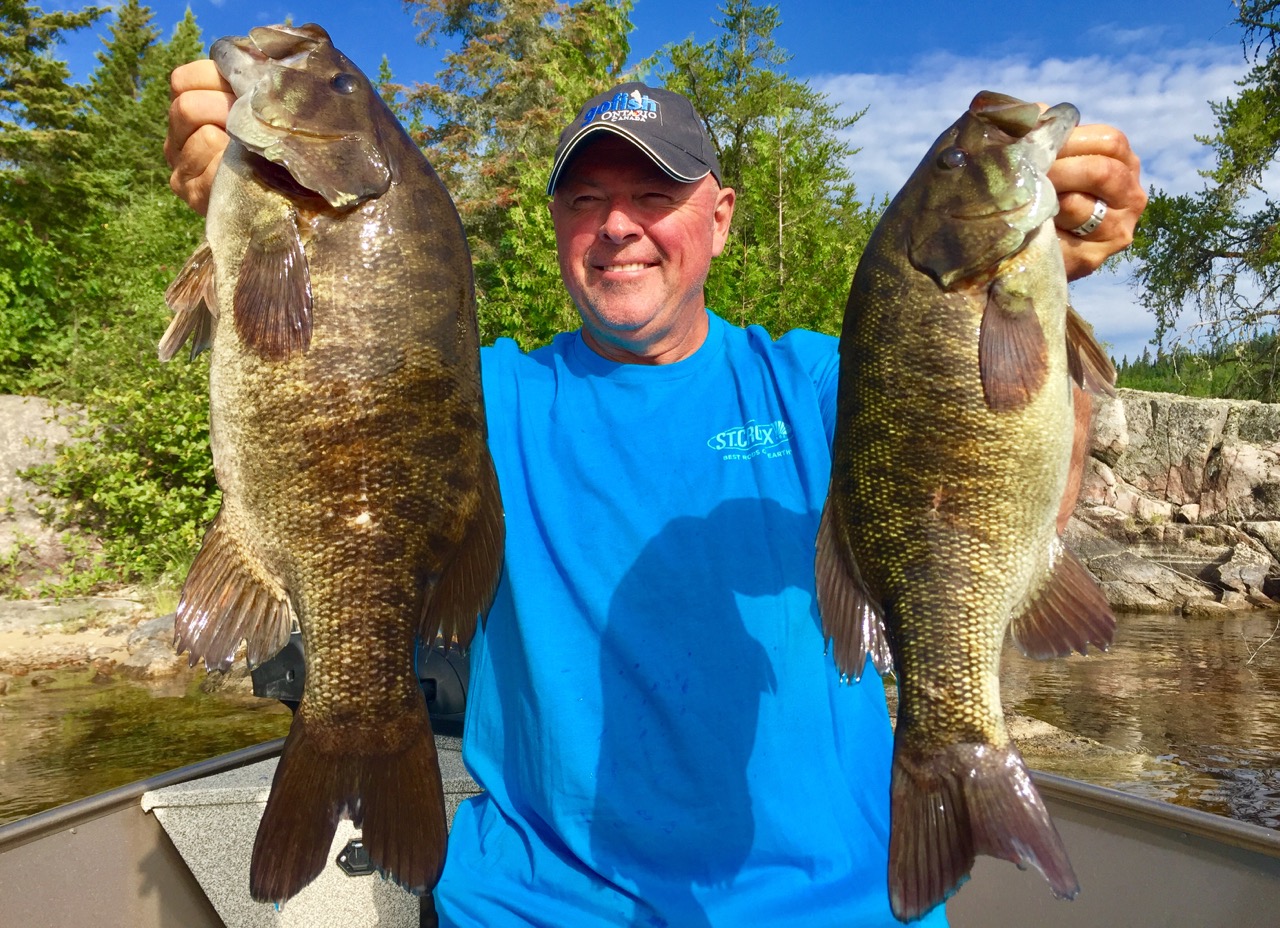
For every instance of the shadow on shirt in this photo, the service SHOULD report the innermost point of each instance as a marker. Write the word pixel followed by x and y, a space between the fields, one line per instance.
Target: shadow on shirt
pixel 685 666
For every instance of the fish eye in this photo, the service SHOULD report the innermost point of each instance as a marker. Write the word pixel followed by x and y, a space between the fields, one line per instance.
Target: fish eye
pixel 343 82
pixel 952 158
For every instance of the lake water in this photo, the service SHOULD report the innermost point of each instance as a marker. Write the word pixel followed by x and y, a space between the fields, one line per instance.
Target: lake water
pixel 1201 695
pixel 1193 703
pixel 70 737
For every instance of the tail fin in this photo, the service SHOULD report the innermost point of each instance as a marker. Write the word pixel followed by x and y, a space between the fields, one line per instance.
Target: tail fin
pixel 949 807
pixel 396 798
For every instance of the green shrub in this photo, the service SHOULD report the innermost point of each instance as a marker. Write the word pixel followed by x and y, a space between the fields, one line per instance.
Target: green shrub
pixel 140 477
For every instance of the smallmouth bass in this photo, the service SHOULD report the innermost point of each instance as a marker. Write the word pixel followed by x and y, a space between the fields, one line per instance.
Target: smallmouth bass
pixel 334 291
pixel 960 357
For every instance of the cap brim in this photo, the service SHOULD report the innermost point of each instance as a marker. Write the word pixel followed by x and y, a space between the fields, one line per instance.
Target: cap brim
pixel 676 162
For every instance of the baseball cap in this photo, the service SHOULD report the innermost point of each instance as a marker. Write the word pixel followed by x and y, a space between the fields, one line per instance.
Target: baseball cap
pixel 661 123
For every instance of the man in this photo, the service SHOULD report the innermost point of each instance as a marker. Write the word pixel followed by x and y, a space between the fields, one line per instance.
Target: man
pixel 659 732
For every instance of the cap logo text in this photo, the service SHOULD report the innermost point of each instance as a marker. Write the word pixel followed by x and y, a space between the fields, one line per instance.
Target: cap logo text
pixel 623 107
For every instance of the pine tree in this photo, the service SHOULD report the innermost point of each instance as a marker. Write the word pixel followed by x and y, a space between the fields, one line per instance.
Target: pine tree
pixel 1217 252
pixel 799 226
pixel 47 192
pixel 496 112
pixel 115 92
pixel 42 117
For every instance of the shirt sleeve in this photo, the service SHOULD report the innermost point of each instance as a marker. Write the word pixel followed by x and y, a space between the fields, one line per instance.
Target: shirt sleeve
pixel 819 356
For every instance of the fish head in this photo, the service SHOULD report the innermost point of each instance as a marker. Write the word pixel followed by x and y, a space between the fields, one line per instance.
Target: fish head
pixel 303 105
pixel 984 186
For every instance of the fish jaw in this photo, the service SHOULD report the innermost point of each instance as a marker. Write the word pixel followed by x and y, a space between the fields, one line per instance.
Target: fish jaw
pixel 244 59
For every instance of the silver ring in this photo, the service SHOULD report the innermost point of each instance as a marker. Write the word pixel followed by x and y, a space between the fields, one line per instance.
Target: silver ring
pixel 1094 220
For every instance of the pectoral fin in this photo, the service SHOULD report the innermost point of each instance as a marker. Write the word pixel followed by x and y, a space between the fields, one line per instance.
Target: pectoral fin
pixel 192 298
pixel 851 618
pixel 1012 356
pixel 272 308
pixel 1068 613
pixel 226 601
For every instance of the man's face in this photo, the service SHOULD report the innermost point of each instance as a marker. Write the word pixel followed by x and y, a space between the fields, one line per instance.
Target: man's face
pixel 635 247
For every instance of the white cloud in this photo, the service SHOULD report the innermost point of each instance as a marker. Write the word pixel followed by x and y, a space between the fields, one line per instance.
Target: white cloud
pixel 1160 99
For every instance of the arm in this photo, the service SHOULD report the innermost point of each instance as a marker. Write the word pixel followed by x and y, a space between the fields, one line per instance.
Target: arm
pixel 1096 163
pixel 197 130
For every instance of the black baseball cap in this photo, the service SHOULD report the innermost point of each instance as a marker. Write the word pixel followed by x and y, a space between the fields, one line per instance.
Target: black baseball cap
pixel 661 123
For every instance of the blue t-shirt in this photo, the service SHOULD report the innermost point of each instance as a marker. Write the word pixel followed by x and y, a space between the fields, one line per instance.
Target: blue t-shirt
pixel 661 737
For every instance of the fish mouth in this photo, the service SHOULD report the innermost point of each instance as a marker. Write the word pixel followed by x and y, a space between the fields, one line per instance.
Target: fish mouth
pixel 1039 137
pixel 243 59
pixel 1021 120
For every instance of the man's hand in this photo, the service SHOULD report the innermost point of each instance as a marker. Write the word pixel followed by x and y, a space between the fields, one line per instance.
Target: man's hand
pixel 197 135
pixel 1096 164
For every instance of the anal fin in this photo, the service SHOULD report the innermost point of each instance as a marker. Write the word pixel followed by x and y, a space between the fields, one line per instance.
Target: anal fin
pixel 851 618
pixel 224 601
pixel 1068 613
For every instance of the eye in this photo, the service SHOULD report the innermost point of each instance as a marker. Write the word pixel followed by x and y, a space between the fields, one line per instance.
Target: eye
pixel 952 158
pixel 343 82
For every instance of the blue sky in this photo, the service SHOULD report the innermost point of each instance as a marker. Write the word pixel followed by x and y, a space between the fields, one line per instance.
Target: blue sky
pixel 1149 67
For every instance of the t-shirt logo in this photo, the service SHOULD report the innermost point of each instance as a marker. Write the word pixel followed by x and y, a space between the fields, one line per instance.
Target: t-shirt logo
pixel 751 440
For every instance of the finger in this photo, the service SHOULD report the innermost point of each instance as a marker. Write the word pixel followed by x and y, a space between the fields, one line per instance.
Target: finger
pixel 1099 139
pixel 196 75
pixel 196 165
pixel 1098 177
pixel 1097 160
pixel 1096 165
pixel 190 112
pixel 1085 247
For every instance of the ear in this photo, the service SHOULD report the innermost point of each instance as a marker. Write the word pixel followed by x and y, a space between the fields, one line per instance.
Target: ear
pixel 723 216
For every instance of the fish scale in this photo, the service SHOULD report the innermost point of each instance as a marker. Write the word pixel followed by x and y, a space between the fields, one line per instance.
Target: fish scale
pixel 953 445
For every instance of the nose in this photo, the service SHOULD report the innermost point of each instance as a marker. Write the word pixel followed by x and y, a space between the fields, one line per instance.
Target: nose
pixel 619 225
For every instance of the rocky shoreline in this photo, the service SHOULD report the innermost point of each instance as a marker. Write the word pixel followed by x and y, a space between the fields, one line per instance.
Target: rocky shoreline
pixel 115 637
pixel 1179 513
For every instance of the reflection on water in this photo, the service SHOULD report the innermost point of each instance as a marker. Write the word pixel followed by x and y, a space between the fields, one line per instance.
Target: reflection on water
pixel 1201 694
pixel 71 738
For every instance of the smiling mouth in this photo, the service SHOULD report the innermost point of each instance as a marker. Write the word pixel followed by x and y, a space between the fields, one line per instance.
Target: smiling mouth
pixel 634 266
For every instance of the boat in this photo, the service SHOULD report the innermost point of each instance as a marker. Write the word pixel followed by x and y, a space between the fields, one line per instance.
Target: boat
pixel 108 861
pixel 173 850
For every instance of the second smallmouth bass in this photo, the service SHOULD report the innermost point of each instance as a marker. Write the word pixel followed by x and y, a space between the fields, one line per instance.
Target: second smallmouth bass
pixel 954 439
pixel 335 292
